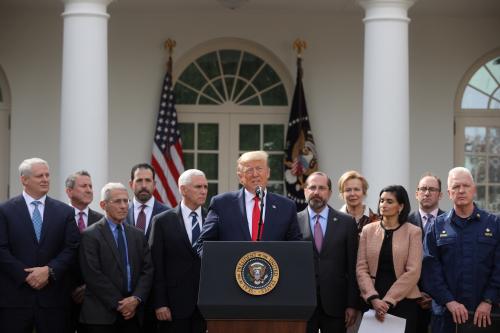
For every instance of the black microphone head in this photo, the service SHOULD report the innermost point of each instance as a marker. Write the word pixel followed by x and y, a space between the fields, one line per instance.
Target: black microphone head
pixel 259 191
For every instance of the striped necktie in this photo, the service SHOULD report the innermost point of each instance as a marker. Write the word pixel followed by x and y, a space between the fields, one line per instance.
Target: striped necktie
pixel 37 220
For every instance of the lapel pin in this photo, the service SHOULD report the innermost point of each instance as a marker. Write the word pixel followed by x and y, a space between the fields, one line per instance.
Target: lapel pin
pixel 274 206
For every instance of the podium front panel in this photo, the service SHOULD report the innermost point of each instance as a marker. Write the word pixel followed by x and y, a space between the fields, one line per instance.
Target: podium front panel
pixel 293 297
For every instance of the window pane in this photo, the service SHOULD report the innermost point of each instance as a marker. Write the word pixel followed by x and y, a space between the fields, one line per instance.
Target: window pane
pixel 494 195
pixel 266 77
pixel 208 136
pixel 249 65
pixel 187 135
pixel 209 64
pixel 275 96
pixel 207 101
pixel 249 137
pixel 495 102
pixel 229 85
pixel 494 170
pixel 249 91
pixel 188 161
pixel 209 91
pixel 276 188
pixel 213 189
pixel 475 139
pixel 252 101
pixel 477 166
pixel 483 81
pixel 220 88
pixel 209 164
pixel 240 84
pixel 480 198
pixel 274 137
pixel 184 95
pixel 192 77
pixel 230 60
pixel 276 165
pixel 473 99
pixel 494 140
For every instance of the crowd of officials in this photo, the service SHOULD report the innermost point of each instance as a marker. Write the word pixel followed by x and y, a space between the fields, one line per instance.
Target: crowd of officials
pixel 134 267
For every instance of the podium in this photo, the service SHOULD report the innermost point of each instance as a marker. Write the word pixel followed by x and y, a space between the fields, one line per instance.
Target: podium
pixel 257 286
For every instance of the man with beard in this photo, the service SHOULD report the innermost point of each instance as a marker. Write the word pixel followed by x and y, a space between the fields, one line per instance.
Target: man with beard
pixel 141 211
pixel 428 195
pixel 335 242
pixel 461 268
pixel 80 194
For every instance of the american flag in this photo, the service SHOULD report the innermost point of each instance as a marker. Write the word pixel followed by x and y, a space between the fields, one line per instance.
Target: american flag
pixel 167 158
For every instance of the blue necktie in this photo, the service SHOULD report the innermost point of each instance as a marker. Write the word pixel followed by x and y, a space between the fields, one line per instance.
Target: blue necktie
pixel 123 253
pixel 430 218
pixel 37 220
pixel 195 227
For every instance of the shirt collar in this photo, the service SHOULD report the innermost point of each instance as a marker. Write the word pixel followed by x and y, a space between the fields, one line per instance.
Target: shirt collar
pixel 423 214
pixel 249 196
pixel 85 210
pixel 150 203
pixel 29 199
pixel 323 213
pixel 185 208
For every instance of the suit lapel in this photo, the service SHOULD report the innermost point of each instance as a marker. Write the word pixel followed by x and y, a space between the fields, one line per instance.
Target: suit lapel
pixel 46 225
pixel 110 239
pixel 25 216
pixel 130 215
pixel 182 228
pixel 242 208
pixel 305 227
pixel 133 259
pixel 331 226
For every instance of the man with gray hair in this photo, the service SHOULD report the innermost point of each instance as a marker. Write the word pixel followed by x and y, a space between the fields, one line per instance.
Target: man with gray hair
pixel 461 268
pixel 80 194
pixel 116 266
pixel 174 233
pixel 38 247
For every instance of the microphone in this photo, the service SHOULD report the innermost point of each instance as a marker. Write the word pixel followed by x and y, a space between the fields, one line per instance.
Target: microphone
pixel 259 192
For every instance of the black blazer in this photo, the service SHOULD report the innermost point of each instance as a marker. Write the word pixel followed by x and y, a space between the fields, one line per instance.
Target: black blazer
pixel 93 217
pixel 158 207
pixel 103 271
pixel 177 265
pixel 335 265
pixel 20 249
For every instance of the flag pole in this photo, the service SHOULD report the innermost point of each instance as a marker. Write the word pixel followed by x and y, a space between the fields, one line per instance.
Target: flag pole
pixel 169 45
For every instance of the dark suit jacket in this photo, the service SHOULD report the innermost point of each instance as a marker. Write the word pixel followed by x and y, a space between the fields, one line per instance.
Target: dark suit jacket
pixel 416 219
pixel 20 249
pixel 227 219
pixel 158 207
pixel 177 265
pixel 93 217
pixel 335 265
pixel 103 271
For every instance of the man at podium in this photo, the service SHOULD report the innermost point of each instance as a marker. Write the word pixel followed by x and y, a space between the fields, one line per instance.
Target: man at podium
pixel 234 216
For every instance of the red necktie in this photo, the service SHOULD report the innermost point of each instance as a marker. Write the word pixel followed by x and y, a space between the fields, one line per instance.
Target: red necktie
pixel 255 219
pixel 81 222
pixel 141 219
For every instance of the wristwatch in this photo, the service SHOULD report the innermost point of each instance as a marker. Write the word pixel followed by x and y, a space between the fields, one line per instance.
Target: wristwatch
pixel 52 274
pixel 487 300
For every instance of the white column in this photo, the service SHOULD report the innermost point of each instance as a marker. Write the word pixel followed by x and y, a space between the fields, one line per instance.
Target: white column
pixel 386 137
pixel 84 95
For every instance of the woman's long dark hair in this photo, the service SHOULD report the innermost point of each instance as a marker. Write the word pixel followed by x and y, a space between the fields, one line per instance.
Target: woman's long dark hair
pixel 401 197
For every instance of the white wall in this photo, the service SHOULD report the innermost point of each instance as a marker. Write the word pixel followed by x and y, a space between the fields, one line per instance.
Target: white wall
pixel 441 50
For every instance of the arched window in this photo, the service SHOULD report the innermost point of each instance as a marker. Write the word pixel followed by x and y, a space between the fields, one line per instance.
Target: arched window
pixel 232 97
pixel 477 128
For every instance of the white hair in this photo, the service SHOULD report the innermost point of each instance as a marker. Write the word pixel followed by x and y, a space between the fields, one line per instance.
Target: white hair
pixel 187 176
pixel 27 164
pixel 106 190
pixel 458 170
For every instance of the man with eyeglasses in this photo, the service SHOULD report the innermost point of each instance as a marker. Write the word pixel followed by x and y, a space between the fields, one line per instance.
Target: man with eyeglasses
pixel 335 244
pixel 461 268
pixel 234 216
pixel 428 195
pixel 116 266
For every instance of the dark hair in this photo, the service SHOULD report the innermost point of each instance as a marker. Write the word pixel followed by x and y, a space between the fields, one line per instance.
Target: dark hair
pixel 71 180
pixel 141 166
pixel 319 173
pixel 428 174
pixel 402 199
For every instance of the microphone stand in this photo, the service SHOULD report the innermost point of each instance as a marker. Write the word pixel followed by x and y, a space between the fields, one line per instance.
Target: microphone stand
pixel 261 213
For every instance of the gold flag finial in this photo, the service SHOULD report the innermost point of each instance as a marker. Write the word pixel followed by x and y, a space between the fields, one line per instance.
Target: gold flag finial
pixel 169 45
pixel 299 45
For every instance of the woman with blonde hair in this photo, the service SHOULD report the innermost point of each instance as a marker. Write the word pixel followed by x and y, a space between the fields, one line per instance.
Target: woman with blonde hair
pixel 352 189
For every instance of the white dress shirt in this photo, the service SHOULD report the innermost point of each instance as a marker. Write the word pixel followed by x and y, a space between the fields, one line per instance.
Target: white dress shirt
pixel 186 212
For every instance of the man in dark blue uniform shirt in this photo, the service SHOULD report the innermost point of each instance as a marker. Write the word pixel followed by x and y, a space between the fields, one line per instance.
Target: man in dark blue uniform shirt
pixel 461 268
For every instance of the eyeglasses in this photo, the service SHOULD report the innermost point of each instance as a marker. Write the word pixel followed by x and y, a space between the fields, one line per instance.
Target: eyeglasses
pixel 320 188
pixel 430 189
pixel 118 201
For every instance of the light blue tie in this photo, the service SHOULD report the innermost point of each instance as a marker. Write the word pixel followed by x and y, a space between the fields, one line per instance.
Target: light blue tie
pixel 37 220
pixel 195 227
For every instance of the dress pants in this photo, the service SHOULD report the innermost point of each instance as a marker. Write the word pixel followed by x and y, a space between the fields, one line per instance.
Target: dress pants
pixel 324 322
pixel 26 320
pixel 194 324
